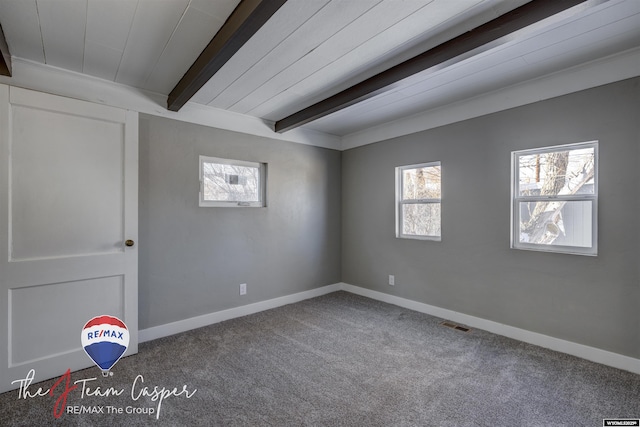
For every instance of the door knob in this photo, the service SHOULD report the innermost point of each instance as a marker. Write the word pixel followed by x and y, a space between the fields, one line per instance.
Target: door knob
pixel 129 242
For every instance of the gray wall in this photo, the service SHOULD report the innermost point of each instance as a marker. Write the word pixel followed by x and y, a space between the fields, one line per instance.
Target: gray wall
pixel 193 259
pixel 588 300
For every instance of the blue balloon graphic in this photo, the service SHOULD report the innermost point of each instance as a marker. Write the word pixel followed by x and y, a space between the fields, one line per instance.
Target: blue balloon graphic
pixel 105 339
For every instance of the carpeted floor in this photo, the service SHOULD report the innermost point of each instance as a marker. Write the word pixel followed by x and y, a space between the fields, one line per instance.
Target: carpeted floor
pixel 338 360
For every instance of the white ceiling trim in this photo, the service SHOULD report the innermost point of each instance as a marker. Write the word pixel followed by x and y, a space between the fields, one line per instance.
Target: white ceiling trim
pixel 614 68
pixel 45 78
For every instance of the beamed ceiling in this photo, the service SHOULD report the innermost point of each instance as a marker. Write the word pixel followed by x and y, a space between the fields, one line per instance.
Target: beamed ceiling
pixel 332 66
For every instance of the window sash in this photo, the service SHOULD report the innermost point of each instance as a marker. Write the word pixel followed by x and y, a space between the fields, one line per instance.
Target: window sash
pixel 261 183
pixel 432 236
pixel 401 202
pixel 517 199
pixel 419 201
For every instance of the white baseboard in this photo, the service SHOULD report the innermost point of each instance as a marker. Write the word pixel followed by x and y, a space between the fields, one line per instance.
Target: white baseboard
pixel 219 316
pixel 583 351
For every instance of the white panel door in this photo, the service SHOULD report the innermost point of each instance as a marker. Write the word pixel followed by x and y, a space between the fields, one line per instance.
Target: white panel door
pixel 68 203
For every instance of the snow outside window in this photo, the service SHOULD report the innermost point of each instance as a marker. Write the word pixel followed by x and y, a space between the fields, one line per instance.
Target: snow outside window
pixel 231 183
pixel 555 199
pixel 418 201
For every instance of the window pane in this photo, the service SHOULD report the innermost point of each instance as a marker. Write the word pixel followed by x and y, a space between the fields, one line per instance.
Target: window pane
pixel 557 173
pixel 231 183
pixel 556 223
pixel 421 219
pixel 421 183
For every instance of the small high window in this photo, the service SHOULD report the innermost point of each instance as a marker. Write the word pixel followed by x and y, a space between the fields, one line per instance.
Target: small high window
pixel 418 201
pixel 228 183
pixel 555 199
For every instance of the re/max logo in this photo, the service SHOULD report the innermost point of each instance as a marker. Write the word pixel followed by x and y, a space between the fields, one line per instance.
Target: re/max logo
pixel 621 422
pixel 105 333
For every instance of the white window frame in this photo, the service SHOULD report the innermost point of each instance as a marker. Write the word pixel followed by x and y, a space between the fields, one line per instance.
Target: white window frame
pixel 262 168
pixel 400 202
pixel 516 199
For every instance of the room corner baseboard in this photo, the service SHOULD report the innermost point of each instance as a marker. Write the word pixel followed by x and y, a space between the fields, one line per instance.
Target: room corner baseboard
pixel 173 328
pixel 583 351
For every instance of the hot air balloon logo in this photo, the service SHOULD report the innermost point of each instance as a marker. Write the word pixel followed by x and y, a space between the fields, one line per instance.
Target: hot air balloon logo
pixel 105 339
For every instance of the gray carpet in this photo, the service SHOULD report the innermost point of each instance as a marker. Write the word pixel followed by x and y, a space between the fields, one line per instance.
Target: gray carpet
pixel 345 360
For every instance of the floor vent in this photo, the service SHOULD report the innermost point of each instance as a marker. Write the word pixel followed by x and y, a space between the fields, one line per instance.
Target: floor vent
pixel 454 326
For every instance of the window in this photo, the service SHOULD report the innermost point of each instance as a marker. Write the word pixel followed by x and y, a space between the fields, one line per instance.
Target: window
pixel 418 200
pixel 555 196
pixel 225 182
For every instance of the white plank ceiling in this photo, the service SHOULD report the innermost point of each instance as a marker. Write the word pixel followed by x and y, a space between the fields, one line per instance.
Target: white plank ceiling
pixel 311 49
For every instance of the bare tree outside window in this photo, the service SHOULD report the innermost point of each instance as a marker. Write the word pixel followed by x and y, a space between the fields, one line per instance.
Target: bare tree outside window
pixel 227 182
pixel 555 196
pixel 419 200
pixel 231 183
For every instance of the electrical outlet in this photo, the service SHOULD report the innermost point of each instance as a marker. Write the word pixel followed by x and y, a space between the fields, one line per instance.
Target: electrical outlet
pixel 243 288
pixel 392 280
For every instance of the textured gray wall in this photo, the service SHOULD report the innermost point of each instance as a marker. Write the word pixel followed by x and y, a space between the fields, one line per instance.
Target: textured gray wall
pixel 588 300
pixel 193 259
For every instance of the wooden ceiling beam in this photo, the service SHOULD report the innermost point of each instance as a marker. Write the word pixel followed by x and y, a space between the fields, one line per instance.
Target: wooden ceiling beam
pixel 246 19
pixel 5 56
pixel 501 26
